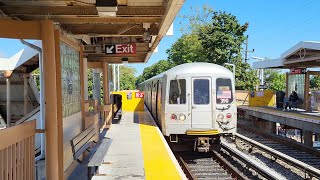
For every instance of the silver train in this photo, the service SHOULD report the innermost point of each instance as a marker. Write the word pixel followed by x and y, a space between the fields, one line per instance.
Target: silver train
pixel 193 102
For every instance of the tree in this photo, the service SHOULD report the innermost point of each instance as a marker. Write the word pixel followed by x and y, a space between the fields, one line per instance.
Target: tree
pixel 186 49
pixel 275 80
pixel 315 82
pixel 223 39
pixel 222 42
pixel 127 78
pixel 153 70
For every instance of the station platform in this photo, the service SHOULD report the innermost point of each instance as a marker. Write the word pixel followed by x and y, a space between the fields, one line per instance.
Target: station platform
pixel 138 151
pixel 300 119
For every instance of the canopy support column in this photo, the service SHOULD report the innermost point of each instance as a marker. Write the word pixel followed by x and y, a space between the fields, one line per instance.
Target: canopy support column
pixel 8 102
pixel 25 94
pixel 53 171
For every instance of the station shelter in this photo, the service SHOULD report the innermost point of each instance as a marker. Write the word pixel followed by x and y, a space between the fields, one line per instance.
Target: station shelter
pixel 297 60
pixel 68 38
pixel 302 61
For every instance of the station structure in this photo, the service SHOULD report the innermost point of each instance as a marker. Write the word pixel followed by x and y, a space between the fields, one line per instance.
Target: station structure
pixel 70 37
pixel 297 59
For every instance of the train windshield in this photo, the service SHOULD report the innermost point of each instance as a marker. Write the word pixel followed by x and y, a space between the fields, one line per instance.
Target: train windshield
pixel 177 94
pixel 224 91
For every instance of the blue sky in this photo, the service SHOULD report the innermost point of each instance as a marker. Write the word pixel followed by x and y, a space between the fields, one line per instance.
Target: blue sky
pixel 274 26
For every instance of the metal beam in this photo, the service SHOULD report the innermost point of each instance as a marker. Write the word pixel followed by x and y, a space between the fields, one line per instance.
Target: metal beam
pixel 48 10
pixel 73 19
pixel 107 29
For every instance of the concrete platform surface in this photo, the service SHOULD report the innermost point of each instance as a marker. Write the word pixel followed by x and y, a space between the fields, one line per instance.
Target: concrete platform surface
pixel 124 159
pixel 138 151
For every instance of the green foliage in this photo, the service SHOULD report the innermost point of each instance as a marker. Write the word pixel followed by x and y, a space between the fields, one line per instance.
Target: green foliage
pixel 275 80
pixel 315 82
pixel 186 49
pixel 127 78
pixel 153 70
pixel 246 78
pixel 90 84
pixel 36 76
pixel 222 41
pixel 194 22
pixel 217 41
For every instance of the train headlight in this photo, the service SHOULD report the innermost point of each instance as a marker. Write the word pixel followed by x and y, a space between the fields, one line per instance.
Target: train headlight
pixel 182 117
pixel 220 117
pixel 173 117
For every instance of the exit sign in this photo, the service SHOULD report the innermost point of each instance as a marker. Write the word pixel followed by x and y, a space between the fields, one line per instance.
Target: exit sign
pixel 298 70
pixel 121 49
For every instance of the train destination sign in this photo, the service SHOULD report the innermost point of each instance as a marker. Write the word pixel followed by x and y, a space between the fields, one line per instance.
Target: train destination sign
pixel 120 49
pixel 298 70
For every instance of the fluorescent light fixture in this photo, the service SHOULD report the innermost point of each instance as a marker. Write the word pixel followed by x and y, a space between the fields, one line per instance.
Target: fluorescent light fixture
pixel 107 11
pixel 107 14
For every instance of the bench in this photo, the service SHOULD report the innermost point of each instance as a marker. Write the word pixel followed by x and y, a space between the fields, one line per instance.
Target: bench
pixel 84 142
pixel 293 105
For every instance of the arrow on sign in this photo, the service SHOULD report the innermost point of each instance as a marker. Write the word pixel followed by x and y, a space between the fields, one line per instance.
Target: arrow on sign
pixel 109 50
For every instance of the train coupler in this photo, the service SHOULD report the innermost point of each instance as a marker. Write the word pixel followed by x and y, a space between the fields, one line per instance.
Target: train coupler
pixel 202 144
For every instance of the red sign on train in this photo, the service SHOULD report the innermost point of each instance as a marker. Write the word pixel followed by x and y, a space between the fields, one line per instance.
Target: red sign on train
pixel 139 94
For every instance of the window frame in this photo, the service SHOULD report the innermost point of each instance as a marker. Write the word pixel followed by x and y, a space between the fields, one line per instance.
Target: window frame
pixel 185 91
pixel 230 101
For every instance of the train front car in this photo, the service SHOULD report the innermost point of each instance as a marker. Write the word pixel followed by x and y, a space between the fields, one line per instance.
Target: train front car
pixel 199 105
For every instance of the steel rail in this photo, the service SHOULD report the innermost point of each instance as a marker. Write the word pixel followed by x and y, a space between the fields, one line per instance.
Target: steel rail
pixel 263 171
pixel 310 170
pixel 234 171
pixel 282 140
pixel 185 168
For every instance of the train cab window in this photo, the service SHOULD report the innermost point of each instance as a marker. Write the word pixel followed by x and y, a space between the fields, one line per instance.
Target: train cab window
pixel 201 91
pixel 224 91
pixel 177 93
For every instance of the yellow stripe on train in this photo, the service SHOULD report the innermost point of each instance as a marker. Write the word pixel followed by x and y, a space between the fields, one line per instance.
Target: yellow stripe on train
pixel 202 132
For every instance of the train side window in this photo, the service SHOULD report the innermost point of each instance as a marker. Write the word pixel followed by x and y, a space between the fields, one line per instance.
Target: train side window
pixel 224 91
pixel 177 93
pixel 201 91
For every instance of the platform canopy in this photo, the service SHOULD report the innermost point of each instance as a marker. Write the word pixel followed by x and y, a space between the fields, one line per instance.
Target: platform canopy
pixel 305 54
pixel 110 30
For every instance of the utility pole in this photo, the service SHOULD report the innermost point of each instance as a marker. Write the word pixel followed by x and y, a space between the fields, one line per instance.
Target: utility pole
pixel 246 51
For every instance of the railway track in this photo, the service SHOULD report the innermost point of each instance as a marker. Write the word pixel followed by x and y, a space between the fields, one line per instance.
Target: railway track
pixel 292 153
pixel 229 163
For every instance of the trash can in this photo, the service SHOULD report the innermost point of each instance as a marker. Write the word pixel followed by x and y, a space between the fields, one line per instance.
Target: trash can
pixel 279 99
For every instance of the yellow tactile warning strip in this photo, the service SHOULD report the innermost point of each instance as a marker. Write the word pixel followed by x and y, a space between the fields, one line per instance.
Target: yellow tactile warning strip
pixel 158 162
pixel 289 113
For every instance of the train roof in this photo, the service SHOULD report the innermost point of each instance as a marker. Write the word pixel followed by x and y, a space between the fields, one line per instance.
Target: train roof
pixel 196 68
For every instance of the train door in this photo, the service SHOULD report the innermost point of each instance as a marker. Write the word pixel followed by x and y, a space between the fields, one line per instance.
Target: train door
pixel 201 106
